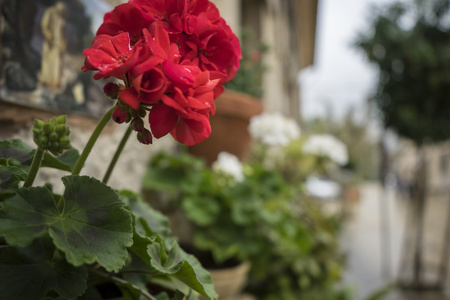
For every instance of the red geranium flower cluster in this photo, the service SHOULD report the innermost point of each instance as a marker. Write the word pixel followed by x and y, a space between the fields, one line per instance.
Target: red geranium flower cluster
pixel 173 57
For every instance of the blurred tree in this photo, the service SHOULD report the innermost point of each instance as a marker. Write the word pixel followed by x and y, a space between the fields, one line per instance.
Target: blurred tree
pixel 410 43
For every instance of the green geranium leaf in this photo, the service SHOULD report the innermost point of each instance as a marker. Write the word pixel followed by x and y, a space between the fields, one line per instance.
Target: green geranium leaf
pixel 30 273
pixel 132 292
pixel 94 226
pixel 64 162
pixel 201 210
pixel 176 263
pixel 17 150
pixel 162 296
pixel 24 154
pixel 10 177
pixel 166 180
pixel 146 215
pixel 69 157
pixel 91 294
pixel 27 215
pixel 178 296
pixel 183 266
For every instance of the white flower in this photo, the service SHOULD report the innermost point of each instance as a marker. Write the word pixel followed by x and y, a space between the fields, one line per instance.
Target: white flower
pixel 273 129
pixel 322 188
pixel 328 146
pixel 229 164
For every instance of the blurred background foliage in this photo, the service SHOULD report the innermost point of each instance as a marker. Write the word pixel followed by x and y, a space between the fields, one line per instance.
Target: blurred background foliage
pixel 292 245
pixel 248 78
pixel 357 133
pixel 410 44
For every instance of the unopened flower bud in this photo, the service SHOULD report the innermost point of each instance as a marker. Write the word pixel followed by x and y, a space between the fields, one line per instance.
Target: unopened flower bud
pixel 137 124
pixel 38 124
pixel 61 120
pixel 111 90
pixel 60 129
pixel 142 112
pixel 47 128
pixel 52 135
pixel 145 137
pixel 43 140
pixel 119 116
pixel 64 141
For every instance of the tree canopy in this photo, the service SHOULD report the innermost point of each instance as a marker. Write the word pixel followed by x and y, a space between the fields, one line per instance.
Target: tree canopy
pixel 410 43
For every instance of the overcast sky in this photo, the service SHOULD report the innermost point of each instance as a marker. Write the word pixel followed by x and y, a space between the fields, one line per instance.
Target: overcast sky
pixel 341 76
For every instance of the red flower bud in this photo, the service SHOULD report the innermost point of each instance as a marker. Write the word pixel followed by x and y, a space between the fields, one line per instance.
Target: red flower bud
pixel 119 116
pixel 111 90
pixel 137 124
pixel 145 137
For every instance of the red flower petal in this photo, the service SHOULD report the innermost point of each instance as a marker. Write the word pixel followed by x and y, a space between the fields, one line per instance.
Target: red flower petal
pixel 162 119
pixel 185 134
pixel 125 18
pixel 130 97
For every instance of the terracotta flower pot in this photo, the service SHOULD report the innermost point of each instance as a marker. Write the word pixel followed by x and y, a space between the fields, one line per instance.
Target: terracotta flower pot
pixel 229 127
pixel 229 282
pixel 229 277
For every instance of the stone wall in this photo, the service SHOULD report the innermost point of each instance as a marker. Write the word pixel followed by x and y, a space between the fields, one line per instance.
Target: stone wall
pixel 16 122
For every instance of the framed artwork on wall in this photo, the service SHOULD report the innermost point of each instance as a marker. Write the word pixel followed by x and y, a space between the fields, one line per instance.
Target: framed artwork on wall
pixel 41 46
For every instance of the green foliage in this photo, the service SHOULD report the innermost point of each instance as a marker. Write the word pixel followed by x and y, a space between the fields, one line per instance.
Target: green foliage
pixel 92 227
pixel 414 64
pixel 31 272
pixel 15 161
pixel 291 245
pixel 182 266
pixel 68 246
pixel 164 257
pixel 248 78
pixel 148 220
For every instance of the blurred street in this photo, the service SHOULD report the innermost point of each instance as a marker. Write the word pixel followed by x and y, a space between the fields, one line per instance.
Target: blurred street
pixel 373 242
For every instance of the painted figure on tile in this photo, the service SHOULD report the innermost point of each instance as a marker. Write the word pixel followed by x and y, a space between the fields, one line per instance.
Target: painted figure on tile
pixel 54 46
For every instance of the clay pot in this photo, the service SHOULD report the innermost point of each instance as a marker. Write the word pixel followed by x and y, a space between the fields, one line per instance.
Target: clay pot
pixel 229 127
pixel 229 277
pixel 229 282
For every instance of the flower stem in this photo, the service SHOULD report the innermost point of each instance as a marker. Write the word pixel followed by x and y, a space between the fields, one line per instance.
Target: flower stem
pixel 90 144
pixel 123 282
pixel 113 162
pixel 37 159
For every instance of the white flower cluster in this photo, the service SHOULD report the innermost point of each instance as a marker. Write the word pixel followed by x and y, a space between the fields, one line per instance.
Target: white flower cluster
pixel 229 164
pixel 273 129
pixel 328 146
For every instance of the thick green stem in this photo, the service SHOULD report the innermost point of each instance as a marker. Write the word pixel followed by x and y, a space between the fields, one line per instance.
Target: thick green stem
pixel 113 162
pixel 90 144
pixel 34 167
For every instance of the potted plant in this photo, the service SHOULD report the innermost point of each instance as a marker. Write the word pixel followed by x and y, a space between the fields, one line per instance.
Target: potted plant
pixel 305 261
pixel 91 241
pixel 221 214
pixel 250 212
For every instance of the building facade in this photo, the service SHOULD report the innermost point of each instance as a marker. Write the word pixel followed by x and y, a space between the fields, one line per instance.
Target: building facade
pixel 288 28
